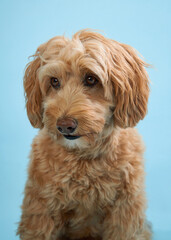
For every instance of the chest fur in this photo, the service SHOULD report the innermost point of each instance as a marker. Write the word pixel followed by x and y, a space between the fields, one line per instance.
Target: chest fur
pixel 86 184
pixel 84 194
pixel 76 186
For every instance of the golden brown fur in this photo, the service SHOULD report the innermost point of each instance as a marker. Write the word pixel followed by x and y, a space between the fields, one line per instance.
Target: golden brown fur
pixel 91 187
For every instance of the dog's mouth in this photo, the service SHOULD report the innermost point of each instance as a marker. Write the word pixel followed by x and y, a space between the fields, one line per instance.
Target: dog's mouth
pixel 74 137
pixel 71 137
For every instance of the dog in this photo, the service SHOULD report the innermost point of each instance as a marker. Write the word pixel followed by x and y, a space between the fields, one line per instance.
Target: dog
pixel 86 170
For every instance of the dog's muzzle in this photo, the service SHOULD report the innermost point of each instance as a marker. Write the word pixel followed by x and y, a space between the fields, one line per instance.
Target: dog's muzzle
pixel 67 126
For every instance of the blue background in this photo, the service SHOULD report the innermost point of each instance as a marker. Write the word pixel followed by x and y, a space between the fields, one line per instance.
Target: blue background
pixel 24 25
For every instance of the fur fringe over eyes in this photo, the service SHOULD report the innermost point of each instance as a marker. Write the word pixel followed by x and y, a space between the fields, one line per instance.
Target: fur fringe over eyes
pixel 123 67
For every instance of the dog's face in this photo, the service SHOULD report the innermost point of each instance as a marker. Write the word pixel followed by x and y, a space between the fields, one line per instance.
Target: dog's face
pixel 79 90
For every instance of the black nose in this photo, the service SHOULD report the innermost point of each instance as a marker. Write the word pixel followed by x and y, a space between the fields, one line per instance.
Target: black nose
pixel 66 125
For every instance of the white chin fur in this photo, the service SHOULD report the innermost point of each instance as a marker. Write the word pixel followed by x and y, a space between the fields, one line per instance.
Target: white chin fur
pixel 77 143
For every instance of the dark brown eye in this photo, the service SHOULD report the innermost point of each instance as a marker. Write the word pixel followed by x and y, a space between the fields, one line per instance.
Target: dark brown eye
pixel 55 82
pixel 90 80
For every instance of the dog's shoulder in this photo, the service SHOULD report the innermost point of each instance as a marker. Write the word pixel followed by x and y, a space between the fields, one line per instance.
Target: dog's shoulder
pixel 130 141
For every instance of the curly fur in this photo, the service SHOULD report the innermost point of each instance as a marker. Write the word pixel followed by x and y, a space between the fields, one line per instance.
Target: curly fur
pixel 91 187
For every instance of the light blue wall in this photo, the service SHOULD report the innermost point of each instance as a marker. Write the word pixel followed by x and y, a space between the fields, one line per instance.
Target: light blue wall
pixel 24 25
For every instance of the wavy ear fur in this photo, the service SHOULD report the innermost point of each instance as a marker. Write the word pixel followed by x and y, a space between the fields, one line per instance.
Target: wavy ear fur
pixel 131 84
pixel 33 93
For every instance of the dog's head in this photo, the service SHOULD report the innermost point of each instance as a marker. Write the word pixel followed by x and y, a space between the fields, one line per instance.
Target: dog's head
pixel 81 89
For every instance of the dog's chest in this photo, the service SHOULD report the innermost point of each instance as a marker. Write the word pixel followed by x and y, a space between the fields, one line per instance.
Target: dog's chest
pixel 85 193
pixel 90 185
pixel 80 193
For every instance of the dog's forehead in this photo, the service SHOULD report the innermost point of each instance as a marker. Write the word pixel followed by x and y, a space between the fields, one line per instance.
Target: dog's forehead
pixel 75 48
pixel 80 55
pixel 76 57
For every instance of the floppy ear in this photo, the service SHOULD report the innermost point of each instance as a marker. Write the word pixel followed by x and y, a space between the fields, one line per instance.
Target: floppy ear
pixel 131 84
pixel 33 93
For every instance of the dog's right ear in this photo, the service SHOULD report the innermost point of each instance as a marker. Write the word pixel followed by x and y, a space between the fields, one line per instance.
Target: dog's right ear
pixel 32 89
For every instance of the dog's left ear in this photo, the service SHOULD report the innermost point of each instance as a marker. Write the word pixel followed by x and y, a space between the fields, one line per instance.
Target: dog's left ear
pixel 130 84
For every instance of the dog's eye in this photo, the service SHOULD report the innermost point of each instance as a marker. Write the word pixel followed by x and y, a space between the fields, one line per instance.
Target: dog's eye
pixel 90 80
pixel 55 82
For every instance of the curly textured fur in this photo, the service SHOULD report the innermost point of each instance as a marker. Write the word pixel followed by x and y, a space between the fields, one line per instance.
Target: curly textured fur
pixel 91 187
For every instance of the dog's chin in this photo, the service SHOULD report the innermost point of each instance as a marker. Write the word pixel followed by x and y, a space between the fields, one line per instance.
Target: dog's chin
pixel 71 142
pixel 82 141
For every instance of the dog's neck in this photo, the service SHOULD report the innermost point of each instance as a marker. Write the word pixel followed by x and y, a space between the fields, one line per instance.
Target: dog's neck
pixel 104 146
